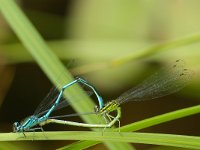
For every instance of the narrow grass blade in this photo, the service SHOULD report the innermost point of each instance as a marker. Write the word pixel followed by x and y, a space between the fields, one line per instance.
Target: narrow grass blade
pixel 182 141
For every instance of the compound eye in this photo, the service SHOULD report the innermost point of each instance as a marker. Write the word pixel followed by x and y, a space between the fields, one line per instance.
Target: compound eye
pixel 15 126
pixel 96 108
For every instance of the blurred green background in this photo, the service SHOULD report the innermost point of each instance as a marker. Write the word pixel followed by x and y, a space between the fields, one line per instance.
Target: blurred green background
pixel 112 44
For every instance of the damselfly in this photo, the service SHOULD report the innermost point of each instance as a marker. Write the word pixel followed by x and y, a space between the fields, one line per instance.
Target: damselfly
pixel 168 80
pixel 47 106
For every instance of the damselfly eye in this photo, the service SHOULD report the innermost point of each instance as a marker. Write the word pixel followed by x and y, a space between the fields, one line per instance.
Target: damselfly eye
pixel 15 126
pixel 96 108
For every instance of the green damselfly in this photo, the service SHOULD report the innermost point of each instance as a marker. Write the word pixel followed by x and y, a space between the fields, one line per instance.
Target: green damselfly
pixel 167 80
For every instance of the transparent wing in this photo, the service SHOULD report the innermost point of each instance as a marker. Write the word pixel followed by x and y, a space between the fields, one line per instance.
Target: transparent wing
pixel 47 102
pixel 50 99
pixel 168 80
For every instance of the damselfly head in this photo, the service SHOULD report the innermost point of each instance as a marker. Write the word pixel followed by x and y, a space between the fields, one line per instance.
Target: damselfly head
pixel 96 109
pixel 16 127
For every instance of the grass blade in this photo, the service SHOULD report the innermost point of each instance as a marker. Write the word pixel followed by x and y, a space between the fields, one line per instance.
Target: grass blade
pixel 182 141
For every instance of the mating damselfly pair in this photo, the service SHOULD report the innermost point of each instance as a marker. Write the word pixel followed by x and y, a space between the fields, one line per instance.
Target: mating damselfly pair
pixel 167 80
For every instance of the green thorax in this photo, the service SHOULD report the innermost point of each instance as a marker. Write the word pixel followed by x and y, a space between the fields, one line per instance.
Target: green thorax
pixel 109 107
